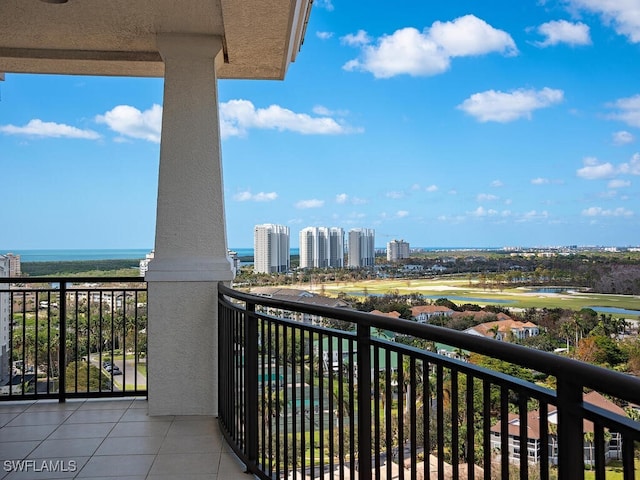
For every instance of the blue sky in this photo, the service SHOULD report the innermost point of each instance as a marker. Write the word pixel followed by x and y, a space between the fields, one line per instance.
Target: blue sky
pixel 459 123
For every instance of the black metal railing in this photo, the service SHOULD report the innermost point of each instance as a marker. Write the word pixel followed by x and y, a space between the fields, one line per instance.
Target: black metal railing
pixel 73 337
pixel 302 401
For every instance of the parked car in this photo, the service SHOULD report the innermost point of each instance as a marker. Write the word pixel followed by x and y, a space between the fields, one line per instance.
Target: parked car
pixel 112 368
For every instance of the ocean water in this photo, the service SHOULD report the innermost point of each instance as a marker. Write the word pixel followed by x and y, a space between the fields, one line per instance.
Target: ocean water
pixel 62 255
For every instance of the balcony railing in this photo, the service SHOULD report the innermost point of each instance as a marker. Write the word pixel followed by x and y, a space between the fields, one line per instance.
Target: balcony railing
pixel 72 337
pixel 302 401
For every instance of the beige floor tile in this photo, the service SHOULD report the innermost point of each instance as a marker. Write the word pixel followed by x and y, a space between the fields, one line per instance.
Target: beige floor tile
pixel 179 464
pixel 130 446
pixel 16 450
pixel 113 439
pixel 192 444
pixel 111 404
pixel 203 426
pixel 96 416
pixel 5 418
pixel 54 406
pixel 120 466
pixel 25 433
pixel 87 430
pixel 40 417
pixel 140 429
pixel 59 448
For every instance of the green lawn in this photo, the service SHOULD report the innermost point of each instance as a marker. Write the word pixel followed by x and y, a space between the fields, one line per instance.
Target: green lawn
pixel 613 471
pixel 469 292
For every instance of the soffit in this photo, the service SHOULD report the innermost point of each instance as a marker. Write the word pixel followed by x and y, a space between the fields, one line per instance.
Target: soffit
pixel 118 37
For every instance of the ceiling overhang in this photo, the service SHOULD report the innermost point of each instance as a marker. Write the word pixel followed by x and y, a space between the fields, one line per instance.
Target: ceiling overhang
pixel 118 37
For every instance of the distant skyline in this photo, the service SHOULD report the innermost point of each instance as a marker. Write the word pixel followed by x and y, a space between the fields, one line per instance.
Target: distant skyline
pixel 460 124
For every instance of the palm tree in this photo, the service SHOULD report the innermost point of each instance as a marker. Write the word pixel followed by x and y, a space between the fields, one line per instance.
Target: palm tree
pixel 495 330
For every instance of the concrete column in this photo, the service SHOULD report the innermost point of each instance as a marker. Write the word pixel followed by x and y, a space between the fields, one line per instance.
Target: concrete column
pixel 191 244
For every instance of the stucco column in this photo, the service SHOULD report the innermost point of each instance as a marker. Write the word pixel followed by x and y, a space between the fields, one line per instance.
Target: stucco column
pixel 190 245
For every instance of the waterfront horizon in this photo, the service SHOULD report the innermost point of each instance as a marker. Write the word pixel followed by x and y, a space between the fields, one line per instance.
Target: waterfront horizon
pixel 68 255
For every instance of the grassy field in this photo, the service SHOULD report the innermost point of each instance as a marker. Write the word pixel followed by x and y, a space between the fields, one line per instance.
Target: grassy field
pixel 462 291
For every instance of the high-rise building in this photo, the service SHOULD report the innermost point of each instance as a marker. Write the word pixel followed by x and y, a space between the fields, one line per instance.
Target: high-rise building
pixel 322 247
pixel 362 251
pixel 5 314
pixel 397 250
pixel 271 249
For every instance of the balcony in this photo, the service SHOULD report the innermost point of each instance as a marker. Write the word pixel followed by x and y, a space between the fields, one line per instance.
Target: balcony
pixel 297 400
pixel 109 438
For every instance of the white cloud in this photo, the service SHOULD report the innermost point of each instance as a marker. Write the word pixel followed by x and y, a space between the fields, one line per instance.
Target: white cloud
pixel 505 107
pixel 324 35
pixel 628 110
pixel 313 203
pixel 486 197
pixel 469 35
pixel 342 198
pixel 409 51
pixel 540 181
pixel 497 184
pixel 624 15
pixel 594 170
pixel 601 212
pixel 618 183
pixel 238 116
pixel 130 122
pixel 38 128
pixel 394 195
pixel 483 212
pixel 561 31
pixel 356 39
pixel 632 167
pixel 432 188
pixel 622 137
pixel 258 197
pixel 326 4
pixel 535 215
pixel 402 213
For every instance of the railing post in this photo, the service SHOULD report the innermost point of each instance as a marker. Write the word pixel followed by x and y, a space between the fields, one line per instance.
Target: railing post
pixel 570 430
pixel 251 383
pixel 365 421
pixel 62 344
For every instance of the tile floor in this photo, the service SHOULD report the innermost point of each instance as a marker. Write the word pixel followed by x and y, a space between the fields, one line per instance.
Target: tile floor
pixel 107 439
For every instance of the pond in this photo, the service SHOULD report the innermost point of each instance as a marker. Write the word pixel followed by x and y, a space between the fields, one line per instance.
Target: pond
pixel 552 290
pixel 617 311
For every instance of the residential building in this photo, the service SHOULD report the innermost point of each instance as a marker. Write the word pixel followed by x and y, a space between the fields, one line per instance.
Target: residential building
pixel 424 313
pixel 15 266
pixel 5 315
pixel 361 248
pixel 613 442
pixel 397 250
pixel 271 249
pixel 302 296
pixel 322 247
pixel 144 263
pixel 505 328
pixel 235 261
